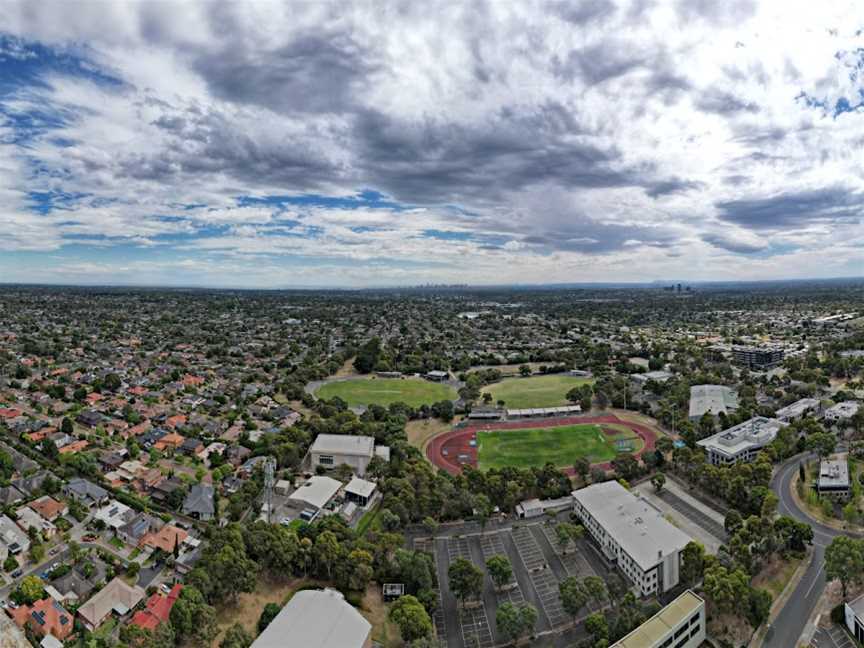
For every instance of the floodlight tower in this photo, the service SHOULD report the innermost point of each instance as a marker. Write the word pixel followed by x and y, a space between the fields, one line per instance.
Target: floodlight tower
pixel 269 477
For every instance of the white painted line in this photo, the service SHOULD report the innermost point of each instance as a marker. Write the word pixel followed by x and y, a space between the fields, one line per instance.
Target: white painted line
pixel 815 580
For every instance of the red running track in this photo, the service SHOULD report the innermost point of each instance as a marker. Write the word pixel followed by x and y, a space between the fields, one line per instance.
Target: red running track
pixel 452 450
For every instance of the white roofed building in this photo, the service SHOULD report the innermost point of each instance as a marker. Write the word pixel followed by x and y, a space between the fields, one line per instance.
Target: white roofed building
pixel 798 410
pixel 316 492
pixel 741 442
pixel 331 450
pixel 316 619
pixel 633 534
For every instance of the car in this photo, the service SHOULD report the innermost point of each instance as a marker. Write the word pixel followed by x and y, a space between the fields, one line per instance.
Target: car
pixel 54 566
pixel 17 573
pixel 54 551
pixel 165 588
pixel 90 538
pixel 13 605
pixel 2 604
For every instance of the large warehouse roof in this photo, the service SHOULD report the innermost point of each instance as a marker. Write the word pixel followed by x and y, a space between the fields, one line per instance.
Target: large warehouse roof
pixel 712 399
pixel 344 444
pixel 315 619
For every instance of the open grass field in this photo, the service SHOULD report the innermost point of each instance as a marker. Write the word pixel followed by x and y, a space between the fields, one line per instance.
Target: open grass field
pixel 535 447
pixel 535 391
pixel 384 391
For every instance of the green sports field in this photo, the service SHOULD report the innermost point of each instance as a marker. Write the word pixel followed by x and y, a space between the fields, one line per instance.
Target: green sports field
pixel 384 391
pixel 537 447
pixel 535 391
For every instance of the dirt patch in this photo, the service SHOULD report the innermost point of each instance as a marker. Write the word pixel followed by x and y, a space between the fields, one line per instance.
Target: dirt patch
pixel 347 370
pixel 775 575
pixel 247 610
pixel 375 611
pixel 733 629
pixel 420 432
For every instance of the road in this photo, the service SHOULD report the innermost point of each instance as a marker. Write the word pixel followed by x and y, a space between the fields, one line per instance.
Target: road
pixel 790 623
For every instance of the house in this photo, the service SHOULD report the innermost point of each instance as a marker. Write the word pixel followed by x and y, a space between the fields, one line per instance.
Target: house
pixel 72 587
pixel 359 491
pixel 73 447
pixel 639 380
pixel 199 502
pixel 437 376
pixel 165 539
pixel 236 455
pixel 682 622
pixel 137 528
pixel 28 518
pixel 111 460
pixel 44 618
pixel 114 514
pixel 49 508
pixel 157 610
pixel 116 597
pixel 854 617
pixel 164 488
pixel 169 442
pixel 90 419
pixel 13 540
pixel 86 492
pixel 316 619
pixel 833 480
pixel 331 450
pixel 741 442
pixel 10 495
pixel 248 468
pixel 191 447
pixel 633 534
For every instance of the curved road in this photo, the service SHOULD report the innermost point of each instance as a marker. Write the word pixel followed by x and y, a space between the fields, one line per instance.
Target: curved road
pixel 790 623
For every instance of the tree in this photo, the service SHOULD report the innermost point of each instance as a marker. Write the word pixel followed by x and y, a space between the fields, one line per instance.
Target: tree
pixel 573 595
pixel 597 627
pixel 482 510
pixel 844 561
pixel 466 580
pixel 49 449
pixel 361 569
pixel 595 588
pixel 10 564
pixel 411 617
pixel 581 466
pixel 515 621
pixel 31 589
pixel 658 481
pixel 822 443
pixel 728 589
pixel 758 606
pixel 37 551
pixel 267 615
pixel 733 521
pixel 193 620
pixel 566 533
pixel 692 562
pixel 500 570
pixel 326 551
pixel 524 370
pixel 626 466
pixel 66 426
pixel 236 637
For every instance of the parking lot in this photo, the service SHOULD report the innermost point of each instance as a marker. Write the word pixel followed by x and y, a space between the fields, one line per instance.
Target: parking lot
pixel 539 564
pixel 693 517
pixel 833 637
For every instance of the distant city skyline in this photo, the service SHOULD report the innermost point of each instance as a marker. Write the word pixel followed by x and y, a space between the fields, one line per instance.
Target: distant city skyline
pixel 274 145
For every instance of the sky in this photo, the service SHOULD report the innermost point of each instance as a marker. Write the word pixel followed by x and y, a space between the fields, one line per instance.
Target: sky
pixel 353 144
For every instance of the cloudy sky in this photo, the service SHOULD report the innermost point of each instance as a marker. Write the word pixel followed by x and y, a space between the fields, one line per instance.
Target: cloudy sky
pixel 397 143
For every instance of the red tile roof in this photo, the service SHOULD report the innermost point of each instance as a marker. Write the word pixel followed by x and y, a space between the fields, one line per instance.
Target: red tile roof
pixel 157 609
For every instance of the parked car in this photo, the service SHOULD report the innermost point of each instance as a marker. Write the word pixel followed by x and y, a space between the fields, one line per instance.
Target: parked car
pixel 17 573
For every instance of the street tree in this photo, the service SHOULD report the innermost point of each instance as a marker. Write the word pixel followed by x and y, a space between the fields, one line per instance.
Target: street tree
pixel 411 618
pixel 658 481
pixel 500 570
pixel 573 595
pixel 466 580
pixel 844 561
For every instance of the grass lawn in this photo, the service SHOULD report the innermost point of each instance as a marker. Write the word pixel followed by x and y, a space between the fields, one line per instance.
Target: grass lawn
pixel 535 391
pixel 116 542
pixel 535 447
pixel 384 391
pixel 370 520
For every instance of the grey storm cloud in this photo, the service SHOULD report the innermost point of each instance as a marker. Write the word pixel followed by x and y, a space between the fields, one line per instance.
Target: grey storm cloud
pixel 733 244
pixel 795 210
pixel 315 72
pixel 724 103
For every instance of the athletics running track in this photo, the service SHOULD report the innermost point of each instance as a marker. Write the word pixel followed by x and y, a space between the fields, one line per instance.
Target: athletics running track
pixel 452 450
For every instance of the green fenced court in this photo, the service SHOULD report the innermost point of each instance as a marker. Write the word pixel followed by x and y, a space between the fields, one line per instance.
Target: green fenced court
pixel 384 391
pixel 535 447
pixel 535 391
